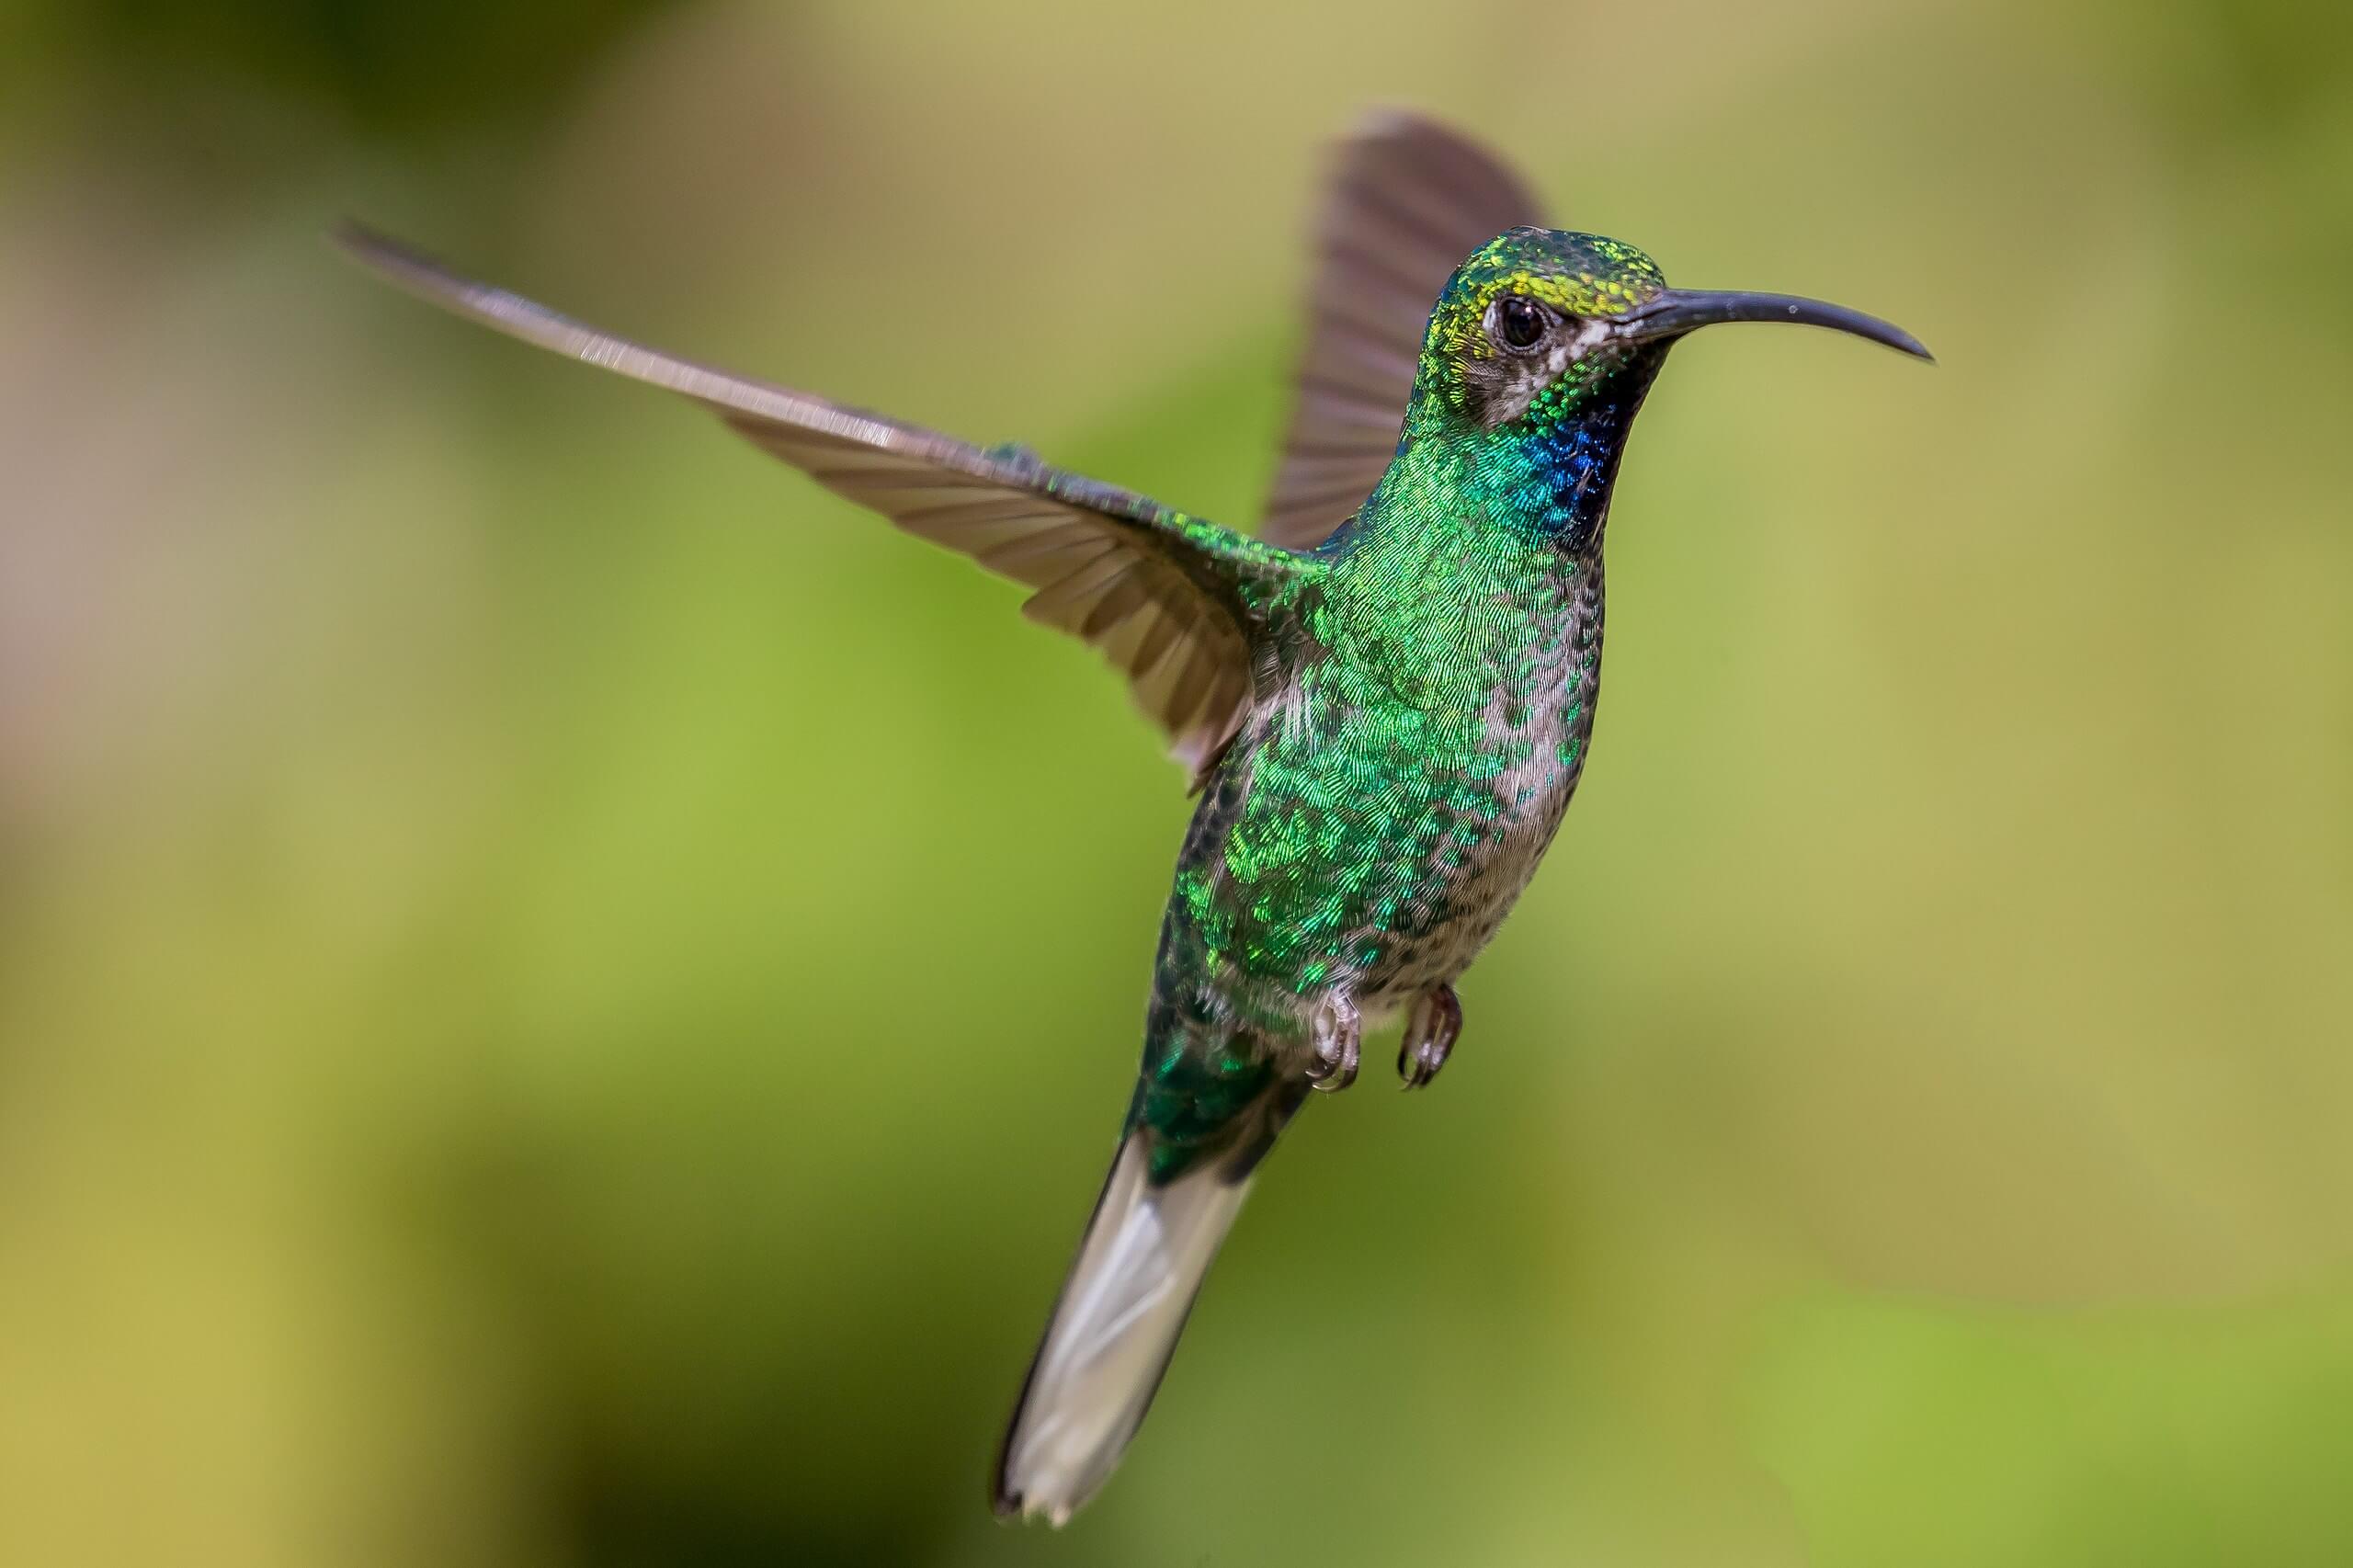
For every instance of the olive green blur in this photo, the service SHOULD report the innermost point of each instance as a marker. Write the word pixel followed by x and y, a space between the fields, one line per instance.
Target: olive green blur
pixel 563 994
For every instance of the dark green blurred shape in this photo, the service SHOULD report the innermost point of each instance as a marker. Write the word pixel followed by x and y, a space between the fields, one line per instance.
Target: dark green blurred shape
pixel 406 67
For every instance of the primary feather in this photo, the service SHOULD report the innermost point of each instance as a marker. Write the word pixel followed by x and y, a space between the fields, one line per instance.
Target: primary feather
pixel 1164 596
pixel 1407 200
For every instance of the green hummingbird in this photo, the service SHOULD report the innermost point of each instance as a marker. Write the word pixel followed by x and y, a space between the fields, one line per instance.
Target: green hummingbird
pixel 1384 700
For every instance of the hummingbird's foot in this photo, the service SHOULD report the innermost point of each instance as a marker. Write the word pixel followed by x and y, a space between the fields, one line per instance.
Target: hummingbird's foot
pixel 1430 1031
pixel 1338 1038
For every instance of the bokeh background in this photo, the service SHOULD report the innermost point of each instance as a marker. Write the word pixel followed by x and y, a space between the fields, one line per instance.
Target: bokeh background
pixel 563 994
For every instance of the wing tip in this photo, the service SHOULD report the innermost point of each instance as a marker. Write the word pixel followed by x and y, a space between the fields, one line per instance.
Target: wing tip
pixel 394 260
pixel 1402 123
pixel 357 237
pixel 1382 121
pixel 422 276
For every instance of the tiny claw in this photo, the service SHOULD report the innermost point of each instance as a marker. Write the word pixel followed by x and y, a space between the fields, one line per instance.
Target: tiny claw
pixel 1430 1033
pixel 1337 1037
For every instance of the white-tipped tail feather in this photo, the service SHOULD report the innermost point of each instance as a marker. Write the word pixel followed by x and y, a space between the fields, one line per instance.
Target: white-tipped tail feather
pixel 1138 1267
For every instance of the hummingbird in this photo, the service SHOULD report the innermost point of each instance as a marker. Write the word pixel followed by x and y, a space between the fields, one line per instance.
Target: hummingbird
pixel 1383 699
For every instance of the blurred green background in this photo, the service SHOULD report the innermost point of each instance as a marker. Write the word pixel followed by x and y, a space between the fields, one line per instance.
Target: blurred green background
pixel 563 994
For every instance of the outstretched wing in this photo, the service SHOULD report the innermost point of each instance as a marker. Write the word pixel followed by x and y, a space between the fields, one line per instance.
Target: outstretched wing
pixel 1167 597
pixel 1408 200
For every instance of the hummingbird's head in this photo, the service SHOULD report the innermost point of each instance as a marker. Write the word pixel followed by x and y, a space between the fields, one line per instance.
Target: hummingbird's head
pixel 1539 353
pixel 1551 324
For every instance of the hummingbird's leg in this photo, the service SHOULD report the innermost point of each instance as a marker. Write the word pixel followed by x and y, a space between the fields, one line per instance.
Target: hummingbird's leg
pixel 1338 1038
pixel 1430 1029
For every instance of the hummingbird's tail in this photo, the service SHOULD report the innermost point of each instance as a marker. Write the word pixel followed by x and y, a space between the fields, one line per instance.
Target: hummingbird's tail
pixel 1138 1267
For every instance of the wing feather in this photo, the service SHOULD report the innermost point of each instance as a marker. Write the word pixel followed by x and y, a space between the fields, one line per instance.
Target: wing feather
pixel 1155 589
pixel 1408 199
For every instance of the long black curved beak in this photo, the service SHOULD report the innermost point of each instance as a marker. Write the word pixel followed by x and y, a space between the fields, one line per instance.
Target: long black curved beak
pixel 1678 311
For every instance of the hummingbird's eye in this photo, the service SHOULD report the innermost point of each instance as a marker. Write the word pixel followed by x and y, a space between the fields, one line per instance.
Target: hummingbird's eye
pixel 1518 323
